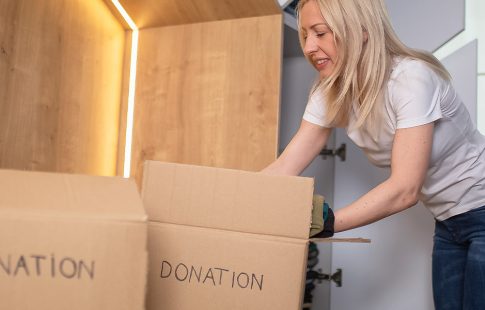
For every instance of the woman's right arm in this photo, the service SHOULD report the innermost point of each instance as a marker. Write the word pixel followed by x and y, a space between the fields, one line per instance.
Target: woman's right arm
pixel 302 149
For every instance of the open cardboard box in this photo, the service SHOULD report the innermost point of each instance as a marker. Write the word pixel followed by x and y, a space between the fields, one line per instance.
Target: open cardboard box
pixel 225 239
pixel 71 242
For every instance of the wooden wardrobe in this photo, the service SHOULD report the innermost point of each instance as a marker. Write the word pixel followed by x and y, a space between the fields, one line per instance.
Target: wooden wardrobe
pixel 207 88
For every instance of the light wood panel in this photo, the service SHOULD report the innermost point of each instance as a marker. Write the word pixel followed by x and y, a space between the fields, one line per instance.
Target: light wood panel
pixel 208 94
pixel 155 13
pixel 60 85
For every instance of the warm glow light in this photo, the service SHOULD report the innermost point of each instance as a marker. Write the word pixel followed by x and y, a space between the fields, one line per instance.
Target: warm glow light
pixel 131 88
pixel 125 15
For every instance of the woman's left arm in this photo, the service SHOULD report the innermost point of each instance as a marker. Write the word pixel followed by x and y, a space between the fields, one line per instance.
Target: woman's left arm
pixel 409 162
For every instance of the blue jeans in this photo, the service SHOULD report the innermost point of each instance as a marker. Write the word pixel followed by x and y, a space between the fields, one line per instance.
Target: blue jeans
pixel 459 262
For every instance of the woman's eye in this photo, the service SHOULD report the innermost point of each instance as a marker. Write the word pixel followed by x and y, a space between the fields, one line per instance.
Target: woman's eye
pixel 320 34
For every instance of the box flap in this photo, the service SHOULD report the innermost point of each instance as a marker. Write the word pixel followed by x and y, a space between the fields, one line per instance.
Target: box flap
pixel 346 240
pixel 228 199
pixel 59 195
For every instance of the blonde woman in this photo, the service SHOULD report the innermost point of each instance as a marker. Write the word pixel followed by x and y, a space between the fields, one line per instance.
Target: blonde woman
pixel 399 106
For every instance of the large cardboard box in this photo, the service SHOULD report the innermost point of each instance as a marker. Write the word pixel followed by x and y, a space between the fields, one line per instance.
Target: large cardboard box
pixel 71 242
pixel 225 239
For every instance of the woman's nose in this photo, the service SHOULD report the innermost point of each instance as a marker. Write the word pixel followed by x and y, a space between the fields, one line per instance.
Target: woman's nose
pixel 310 46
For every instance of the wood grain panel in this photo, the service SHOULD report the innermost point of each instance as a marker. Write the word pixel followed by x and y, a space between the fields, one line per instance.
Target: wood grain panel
pixel 60 85
pixel 155 13
pixel 208 94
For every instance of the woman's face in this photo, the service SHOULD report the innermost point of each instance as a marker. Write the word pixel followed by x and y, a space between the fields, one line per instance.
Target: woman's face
pixel 319 45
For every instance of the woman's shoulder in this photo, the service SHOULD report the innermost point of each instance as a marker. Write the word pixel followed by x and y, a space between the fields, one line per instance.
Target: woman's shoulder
pixel 412 73
pixel 409 66
pixel 413 78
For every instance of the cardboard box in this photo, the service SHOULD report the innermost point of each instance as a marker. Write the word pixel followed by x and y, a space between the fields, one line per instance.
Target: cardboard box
pixel 71 242
pixel 225 239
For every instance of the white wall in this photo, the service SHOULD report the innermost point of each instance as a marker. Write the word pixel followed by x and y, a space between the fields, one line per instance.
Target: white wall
pixel 474 30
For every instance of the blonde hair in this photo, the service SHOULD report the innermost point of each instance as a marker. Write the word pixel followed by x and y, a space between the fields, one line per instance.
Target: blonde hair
pixel 366 45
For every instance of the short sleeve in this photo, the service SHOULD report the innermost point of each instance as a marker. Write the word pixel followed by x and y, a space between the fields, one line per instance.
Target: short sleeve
pixel 315 110
pixel 414 93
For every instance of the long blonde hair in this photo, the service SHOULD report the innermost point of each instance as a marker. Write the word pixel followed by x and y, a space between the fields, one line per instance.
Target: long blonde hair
pixel 366 45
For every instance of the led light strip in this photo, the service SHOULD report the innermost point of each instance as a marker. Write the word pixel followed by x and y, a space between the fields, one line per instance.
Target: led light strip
pixel 131 88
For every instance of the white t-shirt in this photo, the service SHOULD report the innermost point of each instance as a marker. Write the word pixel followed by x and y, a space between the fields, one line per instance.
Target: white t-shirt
pixel 416 95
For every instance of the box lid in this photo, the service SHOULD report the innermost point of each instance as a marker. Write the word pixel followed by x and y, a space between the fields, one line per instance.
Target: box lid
pixel 227 199
pixel 68 195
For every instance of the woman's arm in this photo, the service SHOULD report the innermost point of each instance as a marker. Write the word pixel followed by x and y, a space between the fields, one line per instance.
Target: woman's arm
pixel 409 162
pixel 302 149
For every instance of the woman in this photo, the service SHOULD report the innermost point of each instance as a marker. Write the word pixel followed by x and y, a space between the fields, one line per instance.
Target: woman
pixel 399 106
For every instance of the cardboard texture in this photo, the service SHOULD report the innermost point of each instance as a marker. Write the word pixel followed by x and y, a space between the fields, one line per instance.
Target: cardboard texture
pixel 71 242
pixel 225 239
pixel 227 199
